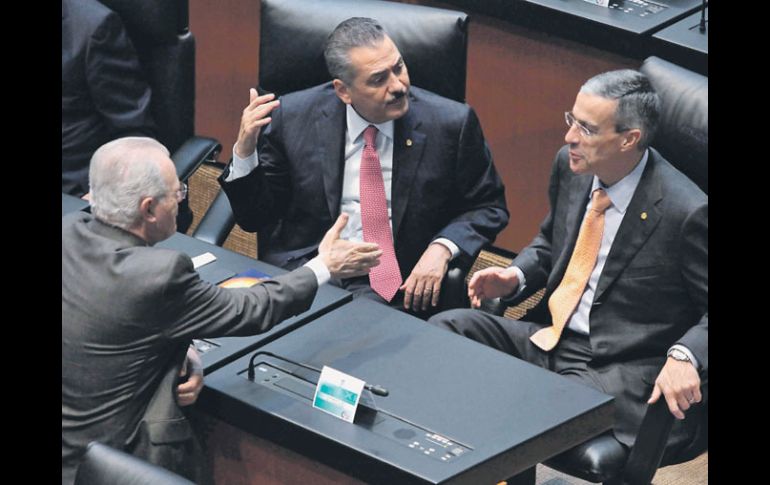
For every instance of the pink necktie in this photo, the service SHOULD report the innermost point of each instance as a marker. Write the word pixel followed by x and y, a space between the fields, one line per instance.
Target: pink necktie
pixel 385 278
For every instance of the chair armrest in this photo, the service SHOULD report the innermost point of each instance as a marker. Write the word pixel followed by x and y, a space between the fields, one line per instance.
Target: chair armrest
pixel 103 464
pixel 192 153
pixel 650 443
pixel 217 222
pixel 454 292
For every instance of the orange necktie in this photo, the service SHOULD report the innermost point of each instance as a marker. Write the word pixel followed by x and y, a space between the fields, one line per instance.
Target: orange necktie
pixel 567 295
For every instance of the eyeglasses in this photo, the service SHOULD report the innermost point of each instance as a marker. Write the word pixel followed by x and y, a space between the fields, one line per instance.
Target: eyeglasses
pixel 181 193
pixel 583 129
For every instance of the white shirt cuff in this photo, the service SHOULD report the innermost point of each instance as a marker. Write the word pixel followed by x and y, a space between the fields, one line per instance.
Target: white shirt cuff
pixel 522 283
pixel 320 270
pixel 241 167
pixel 452 247
pixel 688 352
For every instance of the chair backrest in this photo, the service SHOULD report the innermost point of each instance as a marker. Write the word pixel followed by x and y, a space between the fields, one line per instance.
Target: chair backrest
pixel 103 464
pixel 159 30
pixel 683 133
pixel 432 41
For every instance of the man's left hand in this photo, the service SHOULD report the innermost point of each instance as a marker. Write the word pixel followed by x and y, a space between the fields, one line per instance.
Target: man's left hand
pixel 423 286
pixel 679 384
pixel 188 391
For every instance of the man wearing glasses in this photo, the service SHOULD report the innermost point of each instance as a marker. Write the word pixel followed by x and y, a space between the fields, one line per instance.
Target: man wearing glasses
pixel 623 255
pixel 129 310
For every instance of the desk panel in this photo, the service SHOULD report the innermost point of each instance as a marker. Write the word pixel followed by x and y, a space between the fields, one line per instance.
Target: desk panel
pixel 217 352
pixel 457 411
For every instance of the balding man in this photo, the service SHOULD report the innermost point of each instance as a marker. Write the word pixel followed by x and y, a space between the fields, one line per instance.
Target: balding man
pixel 129 310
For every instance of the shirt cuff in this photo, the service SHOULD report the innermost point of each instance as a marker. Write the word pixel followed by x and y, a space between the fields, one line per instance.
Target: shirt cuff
pixel 320 270
pixel 241 167
pixel 688 352
pixel 522 283
pixel 452 247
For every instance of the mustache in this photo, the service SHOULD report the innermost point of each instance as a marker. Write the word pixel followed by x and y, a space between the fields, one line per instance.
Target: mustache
pixel 397 95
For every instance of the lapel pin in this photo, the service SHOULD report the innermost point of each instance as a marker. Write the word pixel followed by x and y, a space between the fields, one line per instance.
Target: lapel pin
pixel 643 215
pixel 408 142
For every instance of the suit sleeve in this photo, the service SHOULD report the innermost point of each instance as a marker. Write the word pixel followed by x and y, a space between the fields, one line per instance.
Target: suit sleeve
pixel 196 308
pixel 116 81
pixel 694 240
pixel 480 207
pixel 261 198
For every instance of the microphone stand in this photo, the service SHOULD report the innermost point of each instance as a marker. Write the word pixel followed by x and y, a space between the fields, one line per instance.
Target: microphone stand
pixel 374 389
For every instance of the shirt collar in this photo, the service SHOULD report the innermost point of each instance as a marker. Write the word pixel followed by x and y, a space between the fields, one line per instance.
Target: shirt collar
pixel 620 193
pixel 357 124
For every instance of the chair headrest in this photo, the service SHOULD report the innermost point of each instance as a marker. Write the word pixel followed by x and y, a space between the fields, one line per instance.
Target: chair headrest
pixel 682 136
pixel 152 22
pixel 432 41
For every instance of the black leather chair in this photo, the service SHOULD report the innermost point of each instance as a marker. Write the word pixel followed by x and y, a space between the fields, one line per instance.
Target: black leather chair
pixel 434 45
pixel 682 139
pixel 102 465
pixel 159 30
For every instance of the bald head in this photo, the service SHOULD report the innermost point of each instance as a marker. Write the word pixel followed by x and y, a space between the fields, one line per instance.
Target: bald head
pixel 122 173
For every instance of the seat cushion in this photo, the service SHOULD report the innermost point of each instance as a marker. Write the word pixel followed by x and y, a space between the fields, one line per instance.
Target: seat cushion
pixel 597 460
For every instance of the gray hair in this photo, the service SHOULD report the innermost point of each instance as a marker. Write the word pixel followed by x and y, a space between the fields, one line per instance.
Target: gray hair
pixel 638 103
pixel 122 172
pixel 351 33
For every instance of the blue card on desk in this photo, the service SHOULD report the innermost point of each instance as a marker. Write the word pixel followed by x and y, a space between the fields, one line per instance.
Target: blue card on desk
pixel 245 279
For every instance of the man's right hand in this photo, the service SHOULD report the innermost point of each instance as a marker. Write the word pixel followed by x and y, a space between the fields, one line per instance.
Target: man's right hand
pixel 346 259
pixel 255 116
pixel 492 282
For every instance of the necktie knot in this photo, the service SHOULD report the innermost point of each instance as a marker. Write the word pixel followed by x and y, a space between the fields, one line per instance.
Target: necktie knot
pixel 370 136
pixel 600 201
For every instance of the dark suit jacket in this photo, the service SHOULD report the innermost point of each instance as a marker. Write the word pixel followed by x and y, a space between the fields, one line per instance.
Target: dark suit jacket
pixel 128 312
pixel 104 92
pixel 444 184
pixel 652 293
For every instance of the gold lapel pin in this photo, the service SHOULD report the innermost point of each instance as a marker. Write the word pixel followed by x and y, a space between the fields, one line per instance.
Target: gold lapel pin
pixel 643 215
pixel 408 142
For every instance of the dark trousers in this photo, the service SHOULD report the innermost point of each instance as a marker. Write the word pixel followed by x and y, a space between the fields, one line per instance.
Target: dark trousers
pixel 570 357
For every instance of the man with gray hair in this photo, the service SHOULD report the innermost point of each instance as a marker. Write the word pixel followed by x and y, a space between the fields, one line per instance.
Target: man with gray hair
pixel 129 310
pixel 623 256
pixel 410 168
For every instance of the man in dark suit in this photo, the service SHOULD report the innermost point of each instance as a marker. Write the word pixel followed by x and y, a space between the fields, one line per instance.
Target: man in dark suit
pixel 638 326
pixel 129 310
pixel 104 92
pixel 444 197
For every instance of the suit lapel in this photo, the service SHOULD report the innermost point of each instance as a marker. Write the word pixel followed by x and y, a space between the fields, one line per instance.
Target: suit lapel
pixel 408 146
pixel 578 198
pixel 330 129
pixel 641 218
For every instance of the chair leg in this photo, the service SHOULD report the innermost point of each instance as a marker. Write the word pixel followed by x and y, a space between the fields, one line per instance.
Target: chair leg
pixel 527 477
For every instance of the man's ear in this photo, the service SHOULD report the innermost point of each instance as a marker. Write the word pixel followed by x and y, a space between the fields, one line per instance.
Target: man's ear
pixel 631 139
pixel 147 209
pixel 341 89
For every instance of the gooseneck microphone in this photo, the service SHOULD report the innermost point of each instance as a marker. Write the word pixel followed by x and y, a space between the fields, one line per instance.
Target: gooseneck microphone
pixel 702 26
pixel 375 389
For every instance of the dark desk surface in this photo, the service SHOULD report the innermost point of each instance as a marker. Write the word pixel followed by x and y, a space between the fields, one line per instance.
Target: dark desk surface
pixel 218 352
pixel 684 44
pixel 70 203
pixel 625 28
pixel 636 16
pixel 506 415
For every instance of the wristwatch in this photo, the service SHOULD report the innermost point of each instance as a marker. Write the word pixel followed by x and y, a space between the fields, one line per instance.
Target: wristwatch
pixel 677 354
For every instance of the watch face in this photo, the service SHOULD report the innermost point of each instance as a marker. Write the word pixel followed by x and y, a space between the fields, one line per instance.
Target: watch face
pixel 679 355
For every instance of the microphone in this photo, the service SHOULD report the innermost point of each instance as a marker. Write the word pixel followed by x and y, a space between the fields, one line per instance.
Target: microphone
pixel 702 26
pixel 374 389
